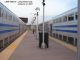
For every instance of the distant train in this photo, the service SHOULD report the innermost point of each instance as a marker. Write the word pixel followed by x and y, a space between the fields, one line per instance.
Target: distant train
pixel 10 27
pixel 64 27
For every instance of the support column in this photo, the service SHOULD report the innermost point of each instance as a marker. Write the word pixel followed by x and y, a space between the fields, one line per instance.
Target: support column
pixel 78 42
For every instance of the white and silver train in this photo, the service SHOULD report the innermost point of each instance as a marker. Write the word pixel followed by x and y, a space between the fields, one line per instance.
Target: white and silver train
pixel 10 27
pixel 65 26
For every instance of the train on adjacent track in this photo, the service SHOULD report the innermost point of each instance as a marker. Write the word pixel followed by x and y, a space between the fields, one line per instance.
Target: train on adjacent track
pixel 64 27
pixel 11 26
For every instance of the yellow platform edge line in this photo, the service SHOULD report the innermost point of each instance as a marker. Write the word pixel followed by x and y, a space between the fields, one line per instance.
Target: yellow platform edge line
pixel 5 54
pixel 69 46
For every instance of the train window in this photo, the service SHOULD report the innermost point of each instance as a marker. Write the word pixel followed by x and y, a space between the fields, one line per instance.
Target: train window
pixel 0 12
pixel 56 35
pixel 6 15
pixel 71 17
pixel 71 40
pixel 76 16
pixel 65 38
pixel 60 19
pixel 54 21
pixel 3 13
pixel 60 36
pixel 53 34
pixel 76 42
pixel 64 18
pixel 10 17
pixel 51 28
pixel 13 18
pixel 6 41
pixel 1 44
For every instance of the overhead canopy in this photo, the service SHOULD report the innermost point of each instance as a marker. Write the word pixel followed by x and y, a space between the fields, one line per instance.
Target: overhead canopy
pixel 25 20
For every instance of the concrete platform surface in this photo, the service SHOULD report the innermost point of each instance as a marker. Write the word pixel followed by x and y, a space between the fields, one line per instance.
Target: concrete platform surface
pixel 29 50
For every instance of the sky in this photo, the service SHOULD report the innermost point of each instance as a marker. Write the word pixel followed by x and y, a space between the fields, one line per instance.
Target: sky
pixel 52 8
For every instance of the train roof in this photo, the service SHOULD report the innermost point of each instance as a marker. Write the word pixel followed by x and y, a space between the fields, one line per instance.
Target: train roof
pixel 63 14
pixel 10 12
pixel 66 13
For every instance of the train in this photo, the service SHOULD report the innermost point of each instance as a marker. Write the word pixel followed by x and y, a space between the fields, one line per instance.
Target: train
pixel 11 27
pixel 64 27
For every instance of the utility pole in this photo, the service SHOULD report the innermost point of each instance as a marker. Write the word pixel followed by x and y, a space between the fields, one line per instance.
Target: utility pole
pixel 37 10
pixel 43 3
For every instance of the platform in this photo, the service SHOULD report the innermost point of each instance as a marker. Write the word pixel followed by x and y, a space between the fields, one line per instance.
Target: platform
pixel 28 50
